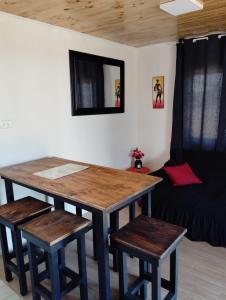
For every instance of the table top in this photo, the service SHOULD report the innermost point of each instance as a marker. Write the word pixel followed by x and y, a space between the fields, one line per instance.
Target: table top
pixel 143 170
pixel 97 187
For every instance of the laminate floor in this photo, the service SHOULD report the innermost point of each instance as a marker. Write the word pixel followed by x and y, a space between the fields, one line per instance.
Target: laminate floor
pixel 202 272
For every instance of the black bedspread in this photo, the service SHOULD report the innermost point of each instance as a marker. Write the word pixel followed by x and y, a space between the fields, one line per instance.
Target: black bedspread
pixel 201 208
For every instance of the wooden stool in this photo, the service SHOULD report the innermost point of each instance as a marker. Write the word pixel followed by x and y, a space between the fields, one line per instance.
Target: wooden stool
pixel 151 241
pixel 52 232
pixel 12 215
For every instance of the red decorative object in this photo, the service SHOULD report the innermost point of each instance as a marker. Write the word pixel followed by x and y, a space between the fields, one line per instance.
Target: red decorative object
pixel 143 170
pixel 137 154
pixel 181 175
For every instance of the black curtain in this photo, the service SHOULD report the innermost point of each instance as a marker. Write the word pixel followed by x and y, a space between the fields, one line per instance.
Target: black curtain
pixel 199 113
pixel 89 84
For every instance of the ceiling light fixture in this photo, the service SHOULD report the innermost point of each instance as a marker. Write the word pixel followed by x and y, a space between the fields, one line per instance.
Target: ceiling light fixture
pixel 180 7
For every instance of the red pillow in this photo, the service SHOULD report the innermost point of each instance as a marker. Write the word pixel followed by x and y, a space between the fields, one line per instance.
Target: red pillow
pixel 181 175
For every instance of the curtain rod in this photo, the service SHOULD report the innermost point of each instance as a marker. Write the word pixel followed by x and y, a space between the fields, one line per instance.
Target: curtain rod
pixel 204 37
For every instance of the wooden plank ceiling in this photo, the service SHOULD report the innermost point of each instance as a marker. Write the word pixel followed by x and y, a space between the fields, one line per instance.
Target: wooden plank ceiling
pixel 132 22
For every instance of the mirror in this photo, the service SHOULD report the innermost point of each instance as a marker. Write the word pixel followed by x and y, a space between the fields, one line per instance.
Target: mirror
pixel 97 84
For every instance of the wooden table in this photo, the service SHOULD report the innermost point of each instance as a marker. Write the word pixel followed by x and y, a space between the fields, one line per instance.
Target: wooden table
pixel 99 190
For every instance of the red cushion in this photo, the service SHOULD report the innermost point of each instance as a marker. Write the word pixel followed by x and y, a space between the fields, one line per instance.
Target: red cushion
pixel 182 175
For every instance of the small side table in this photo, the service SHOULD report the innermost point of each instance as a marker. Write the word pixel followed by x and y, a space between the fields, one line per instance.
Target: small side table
pixel 143 170
pixel 132 208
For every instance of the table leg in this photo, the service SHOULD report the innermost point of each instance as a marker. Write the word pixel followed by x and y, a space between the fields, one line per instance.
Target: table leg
pixel 9 191
pixel 103 255
pixel 10 198
pixel 132 211
pixel 94 237
pixel 146 204
pixel 58 204
pixel 114 226
pixel 144 266
pixel 79 211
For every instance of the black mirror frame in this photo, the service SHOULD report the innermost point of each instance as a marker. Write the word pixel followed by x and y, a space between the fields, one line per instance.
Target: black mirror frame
pixel 104 60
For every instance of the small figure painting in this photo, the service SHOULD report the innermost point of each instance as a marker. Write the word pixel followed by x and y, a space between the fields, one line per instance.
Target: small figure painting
pixel 158 92
pixel 117 92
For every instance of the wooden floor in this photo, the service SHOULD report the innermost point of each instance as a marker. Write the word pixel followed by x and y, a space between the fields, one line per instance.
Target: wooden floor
pixel 202 273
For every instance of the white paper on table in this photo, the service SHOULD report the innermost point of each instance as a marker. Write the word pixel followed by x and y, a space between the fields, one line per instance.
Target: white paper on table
pixel 61 171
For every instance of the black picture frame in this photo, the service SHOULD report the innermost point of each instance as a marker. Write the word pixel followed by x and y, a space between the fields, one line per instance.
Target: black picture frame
pixel 105 60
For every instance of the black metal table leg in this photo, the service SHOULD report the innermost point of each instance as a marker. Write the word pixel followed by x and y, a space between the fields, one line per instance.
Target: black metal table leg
pixel 9 198
pixel 103 255
pixel 78 211
pixel 58 204
pixel 82 267
pixel 174 272
pixel 94 237
pixel 146 210
pixel 114 226
pixel 132 211
pixel 20 261
pixel 5 252
pixel 146 204
pixel 9 191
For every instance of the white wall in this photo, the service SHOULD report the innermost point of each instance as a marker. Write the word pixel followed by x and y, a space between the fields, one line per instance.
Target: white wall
pixel 154 129
pixel 35 96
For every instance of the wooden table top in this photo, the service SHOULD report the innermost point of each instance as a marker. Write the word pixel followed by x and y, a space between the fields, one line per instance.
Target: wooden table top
pixel 97 187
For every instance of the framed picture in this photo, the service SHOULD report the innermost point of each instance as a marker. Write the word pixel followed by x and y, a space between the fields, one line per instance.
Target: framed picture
pixel 158 92
pixel 117 92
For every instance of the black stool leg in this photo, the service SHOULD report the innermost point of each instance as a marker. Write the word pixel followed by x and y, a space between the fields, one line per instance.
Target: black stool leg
pixel 82 267
pixel 17 242
pixel 144 268
pixel 5 252
pixel 46 261
pixel 123 274
pixel 54 276
pixel 114 226
pixel 33 270
pixel 156 282
pixel 174 272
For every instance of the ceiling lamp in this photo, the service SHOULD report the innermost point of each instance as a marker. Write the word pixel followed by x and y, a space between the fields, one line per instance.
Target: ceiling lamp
pixel 180 7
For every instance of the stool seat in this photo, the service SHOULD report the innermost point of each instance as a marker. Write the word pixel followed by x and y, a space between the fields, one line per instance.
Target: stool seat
pixel 149 236
pixel 151 241
pixel 55 226
pixel 22 210
pixel 52 232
